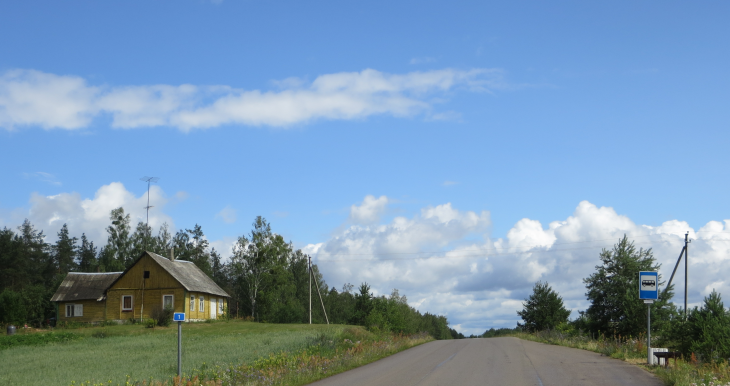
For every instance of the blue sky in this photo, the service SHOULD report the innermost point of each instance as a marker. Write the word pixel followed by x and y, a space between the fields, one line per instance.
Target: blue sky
pixel 297 111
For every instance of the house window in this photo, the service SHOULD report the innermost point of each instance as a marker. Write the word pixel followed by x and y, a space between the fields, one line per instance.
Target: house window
pixel 73 310
pixel 220 306
pixel 167 302
pixel 127 303
pixel 201 304
pixel 192 303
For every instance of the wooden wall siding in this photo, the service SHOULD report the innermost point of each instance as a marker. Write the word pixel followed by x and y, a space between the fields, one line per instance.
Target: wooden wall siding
pixel 160 283
pixel 195 313
pixel 152 299
pixel 159 278
pixel 93 311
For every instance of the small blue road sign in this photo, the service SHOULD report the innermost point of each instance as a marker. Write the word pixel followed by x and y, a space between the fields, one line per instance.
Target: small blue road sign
pixel 648 285
pixel 179 317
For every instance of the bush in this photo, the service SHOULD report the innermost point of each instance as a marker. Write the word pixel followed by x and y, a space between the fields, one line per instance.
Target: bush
pixel 162 317
pixel 150 323
pixel 12 309
pixel 706 332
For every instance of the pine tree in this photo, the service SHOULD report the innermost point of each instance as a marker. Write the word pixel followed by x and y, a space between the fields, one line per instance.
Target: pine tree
pixel 87 255
pixel 65 251
pixel 543 310
pixel 198 249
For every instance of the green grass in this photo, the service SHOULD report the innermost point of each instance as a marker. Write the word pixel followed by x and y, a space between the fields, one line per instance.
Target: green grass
pixel 328 355
pixel 681 372
pixel 7 342
pixel 100 354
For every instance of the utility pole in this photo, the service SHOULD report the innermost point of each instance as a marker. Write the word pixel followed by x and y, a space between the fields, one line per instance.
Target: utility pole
pixel 684 252
pixel 686 271
pixel 309 268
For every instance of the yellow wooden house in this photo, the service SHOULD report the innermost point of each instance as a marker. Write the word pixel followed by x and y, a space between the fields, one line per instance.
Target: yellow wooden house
pixel 151 284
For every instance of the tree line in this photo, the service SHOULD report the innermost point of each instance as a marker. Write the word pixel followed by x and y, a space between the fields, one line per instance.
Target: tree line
pixel 267 278
pixel 616 311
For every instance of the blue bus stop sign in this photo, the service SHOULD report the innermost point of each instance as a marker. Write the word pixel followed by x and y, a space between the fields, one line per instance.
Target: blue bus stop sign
pixel 179 317
pixel 648 285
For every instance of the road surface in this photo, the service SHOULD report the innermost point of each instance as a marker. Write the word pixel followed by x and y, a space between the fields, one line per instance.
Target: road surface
pixel 494 361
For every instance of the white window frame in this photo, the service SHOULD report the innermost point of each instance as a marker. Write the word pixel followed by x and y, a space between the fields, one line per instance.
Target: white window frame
pixel 220 305
pixel 131 302
pixel 76 310
pixel 192 303
pixel 172 303
pixel 201 303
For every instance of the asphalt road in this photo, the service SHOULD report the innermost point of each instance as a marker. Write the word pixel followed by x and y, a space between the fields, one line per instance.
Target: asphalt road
pixel 494 361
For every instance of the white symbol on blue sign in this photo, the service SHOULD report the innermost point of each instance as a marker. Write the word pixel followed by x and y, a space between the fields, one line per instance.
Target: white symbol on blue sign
pixel 648 285
pixel 179 317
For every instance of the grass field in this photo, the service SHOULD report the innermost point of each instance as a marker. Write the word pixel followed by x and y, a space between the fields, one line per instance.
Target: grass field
pixel 100 354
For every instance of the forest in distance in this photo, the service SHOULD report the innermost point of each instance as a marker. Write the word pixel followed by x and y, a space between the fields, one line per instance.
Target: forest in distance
pixel 266 277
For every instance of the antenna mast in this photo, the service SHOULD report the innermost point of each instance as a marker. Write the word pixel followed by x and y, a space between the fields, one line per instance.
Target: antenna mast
pixel 149 181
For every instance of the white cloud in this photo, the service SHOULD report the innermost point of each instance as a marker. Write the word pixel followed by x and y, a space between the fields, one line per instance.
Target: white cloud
pixel 29 97
pixel 227 214
pixel 90 215
pixel 369 210
pixel 224 247
pixel 43 177
pixel 445 262
pixel 449 183
pixel 32 98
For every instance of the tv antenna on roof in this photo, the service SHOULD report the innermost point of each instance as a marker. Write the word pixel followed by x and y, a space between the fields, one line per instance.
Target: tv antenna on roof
pixel 149 181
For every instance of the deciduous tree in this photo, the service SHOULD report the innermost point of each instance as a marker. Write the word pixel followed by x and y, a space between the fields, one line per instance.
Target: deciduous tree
pixel 613 291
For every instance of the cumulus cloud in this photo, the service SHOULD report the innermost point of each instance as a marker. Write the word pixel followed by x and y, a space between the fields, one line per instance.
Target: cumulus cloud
pixel 445 262
pixel 369 210
pixel 90 215
pixel 30 98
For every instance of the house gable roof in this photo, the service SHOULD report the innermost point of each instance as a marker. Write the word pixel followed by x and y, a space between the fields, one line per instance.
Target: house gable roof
pixel 189 275
pixel 185 272
pixel 84 286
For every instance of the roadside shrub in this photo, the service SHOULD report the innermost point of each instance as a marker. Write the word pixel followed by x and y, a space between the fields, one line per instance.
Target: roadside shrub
pixel 706 332
pixel 162 317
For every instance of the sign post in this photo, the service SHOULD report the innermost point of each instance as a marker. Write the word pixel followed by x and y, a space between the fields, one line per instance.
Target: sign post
pixel 179 317
pixel 649 292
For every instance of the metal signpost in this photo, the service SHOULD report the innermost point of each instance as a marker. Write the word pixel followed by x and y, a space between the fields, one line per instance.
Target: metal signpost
pixel 179 317
pixel 649 292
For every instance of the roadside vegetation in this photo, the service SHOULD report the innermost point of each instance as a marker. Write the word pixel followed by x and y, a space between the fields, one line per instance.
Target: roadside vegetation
pixel 267 278
pixel 615 322
pixel 261 339
pixel 222 352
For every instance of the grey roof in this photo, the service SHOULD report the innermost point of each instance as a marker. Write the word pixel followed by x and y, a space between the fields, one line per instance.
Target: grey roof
pixel 82 286
pixel 189 275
